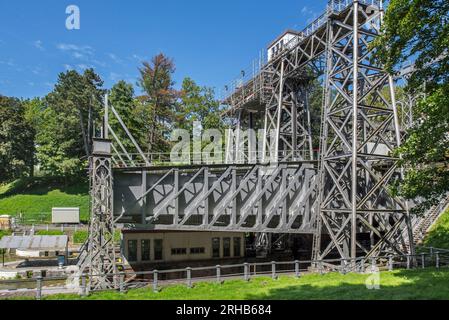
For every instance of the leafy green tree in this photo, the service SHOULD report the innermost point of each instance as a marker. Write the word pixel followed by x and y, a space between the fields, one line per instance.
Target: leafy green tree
pixel 122 99
pixel 418 30
pixel 158 101
pixel 16 140
pixel 72 111
pixel 198 104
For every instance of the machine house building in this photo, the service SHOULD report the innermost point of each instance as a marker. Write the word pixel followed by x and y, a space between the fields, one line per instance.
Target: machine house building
pixel 284 41
pixel 154 247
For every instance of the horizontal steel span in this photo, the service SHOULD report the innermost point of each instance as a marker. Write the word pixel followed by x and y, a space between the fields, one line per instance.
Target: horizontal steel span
pixel 243 198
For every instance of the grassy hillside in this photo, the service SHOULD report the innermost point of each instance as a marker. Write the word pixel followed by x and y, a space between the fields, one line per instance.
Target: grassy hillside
pixel 397 285
pixel 438 237
pixel 35 197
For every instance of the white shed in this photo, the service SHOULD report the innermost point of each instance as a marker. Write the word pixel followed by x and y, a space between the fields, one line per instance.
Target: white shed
pixel 65 215
pixel 285 41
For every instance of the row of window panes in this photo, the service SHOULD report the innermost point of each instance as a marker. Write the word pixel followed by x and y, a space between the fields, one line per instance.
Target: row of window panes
pixel 183 251
pixel 158 251
pixel 226 247
pixel 145 250
pixel 278 47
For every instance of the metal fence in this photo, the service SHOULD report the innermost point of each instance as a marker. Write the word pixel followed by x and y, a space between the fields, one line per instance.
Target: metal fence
pixel 157 279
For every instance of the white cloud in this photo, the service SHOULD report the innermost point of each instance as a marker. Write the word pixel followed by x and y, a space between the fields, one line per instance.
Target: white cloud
pixel 38 44
pixel 9 63
pixel 78 52
pixel 309 13
pixel 83 66
pixel 138 58
pixel 68 67
pixel 114 58
pixel 114 76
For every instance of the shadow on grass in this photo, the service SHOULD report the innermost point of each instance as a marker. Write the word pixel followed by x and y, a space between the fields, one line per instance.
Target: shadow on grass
pixel 400 285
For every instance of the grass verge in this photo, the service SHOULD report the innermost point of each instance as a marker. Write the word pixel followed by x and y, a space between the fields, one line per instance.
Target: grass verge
pixel 396 285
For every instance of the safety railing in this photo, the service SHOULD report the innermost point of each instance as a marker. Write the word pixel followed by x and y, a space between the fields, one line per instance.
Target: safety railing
pixel 250 80
pixel 246 271
pixel 157 279
pixel 134 160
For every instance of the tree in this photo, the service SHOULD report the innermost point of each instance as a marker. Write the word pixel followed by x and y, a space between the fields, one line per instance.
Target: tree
pixel 123 101
pixel 16 140
pixel 72 111
pixel 418 30
pixel 159 100
pixel 198 104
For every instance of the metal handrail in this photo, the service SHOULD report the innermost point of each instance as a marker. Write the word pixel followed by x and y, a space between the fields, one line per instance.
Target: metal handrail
pixel 242 157
pixel 333 7
pixel 436 259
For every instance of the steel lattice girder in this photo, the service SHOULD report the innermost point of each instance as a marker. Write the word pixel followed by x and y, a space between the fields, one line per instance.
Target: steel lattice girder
pixel 359 135
pixel 246 198
pixel 100 262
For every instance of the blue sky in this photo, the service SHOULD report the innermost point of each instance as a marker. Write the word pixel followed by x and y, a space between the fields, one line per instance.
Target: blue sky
pixel 210 41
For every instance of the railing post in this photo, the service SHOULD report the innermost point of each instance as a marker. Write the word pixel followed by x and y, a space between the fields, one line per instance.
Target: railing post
pixel 83 285
pixel 342 266
pixel 373 265
pixel 246 271
pixel 297 270
pixel 189 277
pixel 122 282
pixel 273 270
pixel 39 287
pixel 362 265
pixel 155 280
pixel 320 267
pixel 423 260
pixel 408 262
pixel 390 263
pixel 437 257
pixel 219 274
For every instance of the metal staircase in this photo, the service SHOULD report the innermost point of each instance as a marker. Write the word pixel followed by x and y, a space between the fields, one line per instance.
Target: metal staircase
pixel 422 224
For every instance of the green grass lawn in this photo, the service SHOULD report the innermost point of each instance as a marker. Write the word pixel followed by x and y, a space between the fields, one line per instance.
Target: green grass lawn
pixel 438 237
pixel 396 285
pixel 36 197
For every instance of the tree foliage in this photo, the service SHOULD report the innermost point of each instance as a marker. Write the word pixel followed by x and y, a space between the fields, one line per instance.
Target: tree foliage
pixel 418 31
pixel 16 140
pixel 158 101
pixel 72 111
pixel 122 99
pixel 198 104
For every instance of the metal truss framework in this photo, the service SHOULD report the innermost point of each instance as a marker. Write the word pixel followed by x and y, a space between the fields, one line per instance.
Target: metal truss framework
pixel 343 200
pixel 239 198
pixel 99 260
pixel 361 131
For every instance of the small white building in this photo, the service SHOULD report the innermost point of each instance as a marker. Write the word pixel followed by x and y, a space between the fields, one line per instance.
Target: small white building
pixel 284 41
pixel 65 215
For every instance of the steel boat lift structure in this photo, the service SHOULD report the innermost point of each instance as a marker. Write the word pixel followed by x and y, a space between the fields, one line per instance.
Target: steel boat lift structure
pixel 337 196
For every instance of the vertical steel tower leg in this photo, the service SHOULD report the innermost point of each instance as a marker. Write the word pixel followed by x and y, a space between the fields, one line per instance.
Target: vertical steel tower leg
pixel 101 260
pixel 359 135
